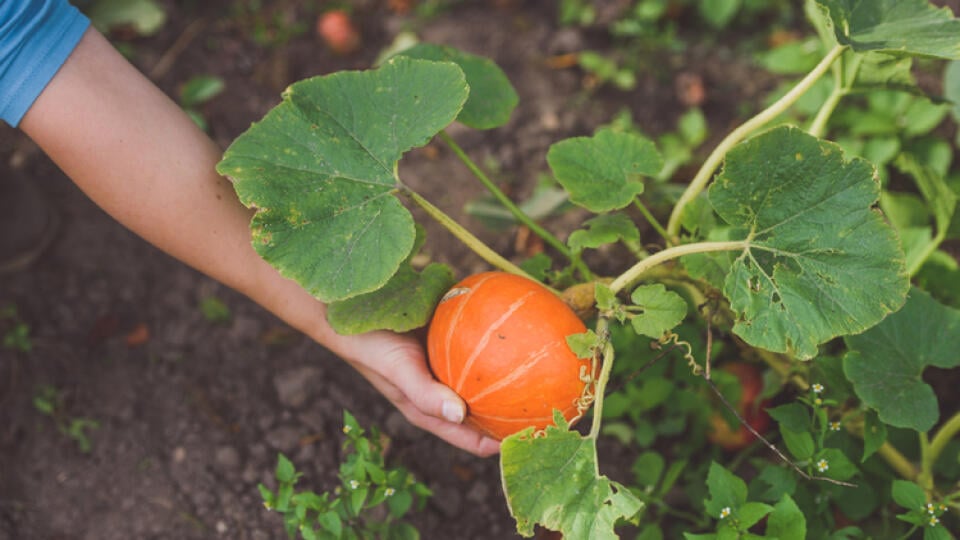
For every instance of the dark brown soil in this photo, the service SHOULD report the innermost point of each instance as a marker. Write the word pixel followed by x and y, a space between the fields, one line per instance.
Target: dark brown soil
pixel 191 418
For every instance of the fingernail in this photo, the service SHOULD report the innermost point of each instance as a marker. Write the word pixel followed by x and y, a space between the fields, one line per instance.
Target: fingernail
pixel 452 411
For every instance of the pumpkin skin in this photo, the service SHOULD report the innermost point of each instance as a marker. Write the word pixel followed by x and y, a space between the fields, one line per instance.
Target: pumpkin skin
pixel 499 341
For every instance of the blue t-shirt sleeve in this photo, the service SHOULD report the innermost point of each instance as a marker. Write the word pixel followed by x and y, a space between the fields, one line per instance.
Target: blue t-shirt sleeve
pixel 36 37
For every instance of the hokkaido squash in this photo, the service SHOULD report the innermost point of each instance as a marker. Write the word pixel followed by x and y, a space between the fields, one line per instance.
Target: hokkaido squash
pixel 499 341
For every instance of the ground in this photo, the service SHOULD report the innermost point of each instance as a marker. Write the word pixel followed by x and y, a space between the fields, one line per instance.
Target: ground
pixel 192 412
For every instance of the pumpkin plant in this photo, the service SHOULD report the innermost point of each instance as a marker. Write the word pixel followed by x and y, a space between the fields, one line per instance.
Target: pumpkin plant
pixel 776 242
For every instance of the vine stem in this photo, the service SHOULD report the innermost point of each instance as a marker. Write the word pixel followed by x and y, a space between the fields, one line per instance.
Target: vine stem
pixel 841 88
pixel 515 210
pixel 713 161
pixel 607 355
pixel 935 447
pixel 637 270
pixel 465 236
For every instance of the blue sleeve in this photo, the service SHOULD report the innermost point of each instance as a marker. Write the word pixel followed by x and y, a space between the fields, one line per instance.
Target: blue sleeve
pixel 36 37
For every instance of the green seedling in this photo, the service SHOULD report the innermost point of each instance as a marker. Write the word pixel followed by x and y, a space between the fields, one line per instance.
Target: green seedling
pixel 369 503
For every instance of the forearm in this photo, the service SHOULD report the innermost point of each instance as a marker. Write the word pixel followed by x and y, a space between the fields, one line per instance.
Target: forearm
pixel 140 158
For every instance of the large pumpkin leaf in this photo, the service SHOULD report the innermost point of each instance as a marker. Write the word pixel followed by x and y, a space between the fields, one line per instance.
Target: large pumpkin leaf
pixel 320 168
pixel 820 261
pixel 886 363
pixel 911 27
pixel 553 480
pixel 604 172
pixel 492 97
pixel 406 302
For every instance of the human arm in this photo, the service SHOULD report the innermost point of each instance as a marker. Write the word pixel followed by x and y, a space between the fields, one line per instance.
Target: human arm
pixel 139 157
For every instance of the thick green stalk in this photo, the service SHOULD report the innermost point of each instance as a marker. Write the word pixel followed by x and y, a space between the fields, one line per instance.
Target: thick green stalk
pixel 515 210
pixel 713 161
pixel 637 270
pixel 600 386
pixel 935 447
pixel 652 220
pixel 465 236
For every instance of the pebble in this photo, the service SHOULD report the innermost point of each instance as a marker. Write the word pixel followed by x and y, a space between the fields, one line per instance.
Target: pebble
pixel 295 386
pixel 227 458
pixel 284 438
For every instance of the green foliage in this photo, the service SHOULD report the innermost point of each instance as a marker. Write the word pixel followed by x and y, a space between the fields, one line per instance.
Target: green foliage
pixel 51 402
pixel 16 332
pixel 370 501
pixel 886 363
pixel 214 310
pixel 582 503
pixel 195 92
pixel 320 169
pixel 145 17
pixel 795 252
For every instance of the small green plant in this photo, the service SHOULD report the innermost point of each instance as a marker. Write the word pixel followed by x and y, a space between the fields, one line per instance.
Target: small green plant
pixel 50 401
pixel 16 332
pixel 215 310
pixel 197 91
pixel 369 502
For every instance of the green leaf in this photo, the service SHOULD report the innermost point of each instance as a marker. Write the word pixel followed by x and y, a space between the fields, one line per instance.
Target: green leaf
pixel 820 262
pixel 214 310
pixel 662 310
pixel 602 230
pixel 406 302
pixel 726 489
pixel 492 97
pixel 874 435
pixel 604 172
pixel 951 86
pixel 786 522
pixel 939 198
pixel 838 466
pixel 909 495
pixel 751 513
pixel 200 89
pixel 552 480
pixel 584 345
pixel 793 416
pixel 718 12
pixel 320 168
pixel 886 363
pixel 146 17
pixel 799 443
pixel 285 473
pixel 648 468
pixel 909 27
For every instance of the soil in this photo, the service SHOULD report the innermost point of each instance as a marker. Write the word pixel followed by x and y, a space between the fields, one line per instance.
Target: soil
pixel 192 412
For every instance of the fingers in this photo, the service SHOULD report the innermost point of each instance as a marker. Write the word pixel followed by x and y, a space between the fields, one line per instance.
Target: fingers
pixel 397 367
pixel 456 434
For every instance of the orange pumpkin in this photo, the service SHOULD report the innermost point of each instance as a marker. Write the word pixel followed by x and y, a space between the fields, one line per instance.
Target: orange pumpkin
pixel 499 341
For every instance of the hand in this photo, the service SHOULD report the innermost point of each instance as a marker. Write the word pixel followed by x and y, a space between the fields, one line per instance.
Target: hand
pixel 396 366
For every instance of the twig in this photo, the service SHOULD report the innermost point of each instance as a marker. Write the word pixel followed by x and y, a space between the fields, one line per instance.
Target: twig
pixel 166 61
pixel 731 408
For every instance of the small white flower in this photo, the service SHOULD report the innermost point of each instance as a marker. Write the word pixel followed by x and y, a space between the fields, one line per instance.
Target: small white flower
pixel 934 520
pixel 725 513
pixel 834 426
pixel 346 429
pixel 354 484
pixel 389 492
pixel 943 507
pixel 822 465
pixel 930 508
pixel 817 388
